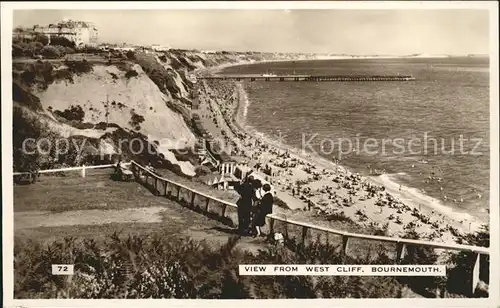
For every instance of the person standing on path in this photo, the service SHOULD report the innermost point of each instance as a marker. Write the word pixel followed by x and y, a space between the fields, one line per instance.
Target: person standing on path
pixel 244 204
pixel 265 207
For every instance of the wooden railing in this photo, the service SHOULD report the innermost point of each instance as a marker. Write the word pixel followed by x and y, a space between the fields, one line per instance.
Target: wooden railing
pixel 82 169
pixel 226 211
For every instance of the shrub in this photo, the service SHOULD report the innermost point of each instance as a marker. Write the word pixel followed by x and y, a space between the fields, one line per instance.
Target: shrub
pixel 462 263
pixel 39 73
pixel 27 157
pixel 130 55
pixel 81 125
pixel 63 74
pixel 138 267
pixel 202 170
pixel 50 52
pixel 28 77
pixel 17 51
pixel 424 285
pixel 104 125
pixel 73 113
pixel 35 47
pixel 61 41
pixel 22 95
pixel 79 67
pixel 340 216
pixel 92 50
pixel 131 73
pixel 43 39
pixel 135 120
pixel 163 58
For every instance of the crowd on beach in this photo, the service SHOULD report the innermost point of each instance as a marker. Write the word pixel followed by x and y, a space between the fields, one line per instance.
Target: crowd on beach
pixel 325 189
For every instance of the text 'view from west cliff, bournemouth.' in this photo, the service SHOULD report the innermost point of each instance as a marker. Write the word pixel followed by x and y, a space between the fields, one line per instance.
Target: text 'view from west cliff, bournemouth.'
pixel 188 153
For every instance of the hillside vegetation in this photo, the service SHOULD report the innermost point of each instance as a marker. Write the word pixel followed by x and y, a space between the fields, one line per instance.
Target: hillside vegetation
pixel 111 96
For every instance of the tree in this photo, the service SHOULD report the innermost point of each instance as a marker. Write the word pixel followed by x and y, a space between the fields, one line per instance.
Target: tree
pixel 35 47
pixel 31 155
pixel 130 55
pixel 50 52
pixel 62 41
pixel 17 51
pixel 43 39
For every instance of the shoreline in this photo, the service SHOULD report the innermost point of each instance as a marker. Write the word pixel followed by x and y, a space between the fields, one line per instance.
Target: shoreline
pixel 405 203
pixel 410 197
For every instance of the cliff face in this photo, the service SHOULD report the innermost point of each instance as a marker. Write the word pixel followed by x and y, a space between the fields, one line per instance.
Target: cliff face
pixel 146 94
pixel 107 95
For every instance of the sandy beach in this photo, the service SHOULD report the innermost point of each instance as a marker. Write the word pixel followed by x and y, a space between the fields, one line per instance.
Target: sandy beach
pixel 309 183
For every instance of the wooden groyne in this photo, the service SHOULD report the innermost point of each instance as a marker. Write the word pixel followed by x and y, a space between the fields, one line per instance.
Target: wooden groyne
pixel 331 78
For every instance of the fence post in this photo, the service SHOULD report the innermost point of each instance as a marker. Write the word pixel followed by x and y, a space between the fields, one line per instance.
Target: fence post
pixel 206 204
pixel 83 171
pixel 271 225
pixel 165 185
pixel 156 186
pixel 345 242
pixel 475 272
pixel 224 210
pixel 193 196
pixel 304 235
pixel 400 252
pixel 178 193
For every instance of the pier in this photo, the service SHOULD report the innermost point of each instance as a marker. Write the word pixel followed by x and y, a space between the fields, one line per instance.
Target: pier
pixel 311 77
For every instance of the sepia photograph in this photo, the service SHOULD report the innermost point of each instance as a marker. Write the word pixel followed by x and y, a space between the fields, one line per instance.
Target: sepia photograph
pixel 233 151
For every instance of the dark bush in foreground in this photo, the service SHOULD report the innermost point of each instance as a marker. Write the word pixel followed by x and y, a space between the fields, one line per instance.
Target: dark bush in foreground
pixel 18 51
pixel 159 267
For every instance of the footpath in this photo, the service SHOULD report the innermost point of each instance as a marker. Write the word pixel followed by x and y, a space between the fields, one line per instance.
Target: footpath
pixel 96 206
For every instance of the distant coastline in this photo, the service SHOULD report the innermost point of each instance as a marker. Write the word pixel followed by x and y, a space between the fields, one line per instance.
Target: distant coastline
pixel 218 69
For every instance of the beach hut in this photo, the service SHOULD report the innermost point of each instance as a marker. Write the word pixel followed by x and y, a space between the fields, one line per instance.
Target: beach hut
pixel 241 171
pixel 271 170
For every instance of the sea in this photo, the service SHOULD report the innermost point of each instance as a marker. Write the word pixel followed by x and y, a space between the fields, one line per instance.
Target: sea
pixel 430 135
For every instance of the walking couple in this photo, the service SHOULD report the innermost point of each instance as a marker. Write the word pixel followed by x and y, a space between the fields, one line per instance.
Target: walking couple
pixel 255 203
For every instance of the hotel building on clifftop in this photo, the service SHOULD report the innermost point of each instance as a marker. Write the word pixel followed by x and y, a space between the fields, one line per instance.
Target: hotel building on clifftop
pixel 82 33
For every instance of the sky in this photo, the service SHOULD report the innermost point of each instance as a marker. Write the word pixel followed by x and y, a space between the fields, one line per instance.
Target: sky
pixel 359 32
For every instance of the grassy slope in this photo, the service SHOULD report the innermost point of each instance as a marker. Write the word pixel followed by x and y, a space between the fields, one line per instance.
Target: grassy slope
pixel 58 196
pixel 124 95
